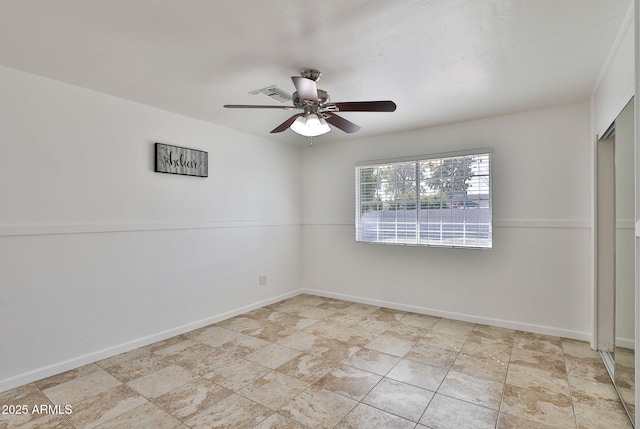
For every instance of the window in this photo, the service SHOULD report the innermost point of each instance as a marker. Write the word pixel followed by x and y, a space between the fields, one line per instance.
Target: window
pixel 432 200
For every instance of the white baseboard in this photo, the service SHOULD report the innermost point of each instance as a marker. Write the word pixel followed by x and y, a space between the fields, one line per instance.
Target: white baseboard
pixel 60 367
pixel 527 327
pixel 626 343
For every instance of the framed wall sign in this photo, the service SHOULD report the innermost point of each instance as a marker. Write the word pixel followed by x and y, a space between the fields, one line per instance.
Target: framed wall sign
pixel 181 160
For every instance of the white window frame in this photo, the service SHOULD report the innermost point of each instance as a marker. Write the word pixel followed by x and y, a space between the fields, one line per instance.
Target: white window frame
pixel 464 219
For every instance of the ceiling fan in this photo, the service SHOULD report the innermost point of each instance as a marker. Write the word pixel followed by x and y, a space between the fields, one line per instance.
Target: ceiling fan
pixel 317 110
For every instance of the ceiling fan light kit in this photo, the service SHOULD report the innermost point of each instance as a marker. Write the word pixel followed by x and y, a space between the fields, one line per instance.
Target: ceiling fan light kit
pixel 318 111
pixel 310 125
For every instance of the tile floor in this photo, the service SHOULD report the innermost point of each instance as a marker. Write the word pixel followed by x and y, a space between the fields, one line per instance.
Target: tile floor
pixel 312 362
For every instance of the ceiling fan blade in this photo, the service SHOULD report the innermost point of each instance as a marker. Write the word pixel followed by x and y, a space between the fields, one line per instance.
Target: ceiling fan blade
pixel 307 88
pixel 365 106
pixel 257 106
pixel 342 123
pixel 286 124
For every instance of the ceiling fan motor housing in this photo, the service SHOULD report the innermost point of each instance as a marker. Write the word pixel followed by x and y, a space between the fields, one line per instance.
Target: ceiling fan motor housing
pixel 323 99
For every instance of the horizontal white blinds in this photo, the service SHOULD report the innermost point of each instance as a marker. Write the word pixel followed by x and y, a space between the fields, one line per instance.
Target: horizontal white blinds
pixel 431 201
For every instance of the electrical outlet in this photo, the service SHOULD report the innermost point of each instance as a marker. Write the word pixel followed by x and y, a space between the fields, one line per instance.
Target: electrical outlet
pixel 262 280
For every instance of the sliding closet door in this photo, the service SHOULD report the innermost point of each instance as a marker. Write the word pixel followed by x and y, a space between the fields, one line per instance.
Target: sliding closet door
pixel 624 373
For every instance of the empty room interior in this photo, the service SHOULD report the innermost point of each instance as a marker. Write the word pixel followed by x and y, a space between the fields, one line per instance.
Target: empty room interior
pixel 295 215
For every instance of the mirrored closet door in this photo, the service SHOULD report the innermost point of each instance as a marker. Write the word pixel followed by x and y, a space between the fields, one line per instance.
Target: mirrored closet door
pixel 616 255
pixel 624 355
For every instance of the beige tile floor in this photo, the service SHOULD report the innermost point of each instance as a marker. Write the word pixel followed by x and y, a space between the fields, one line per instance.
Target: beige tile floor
pixel 312 362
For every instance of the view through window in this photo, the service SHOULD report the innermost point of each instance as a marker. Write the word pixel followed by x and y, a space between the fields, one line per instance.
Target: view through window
pixel 439 200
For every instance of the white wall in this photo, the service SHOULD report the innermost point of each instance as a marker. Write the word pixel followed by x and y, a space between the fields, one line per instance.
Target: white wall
pixel 615 85
pixel 99 254
pixel 536 278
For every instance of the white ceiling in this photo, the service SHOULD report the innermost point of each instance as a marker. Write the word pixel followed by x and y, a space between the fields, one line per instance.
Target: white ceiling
pixel 441 61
